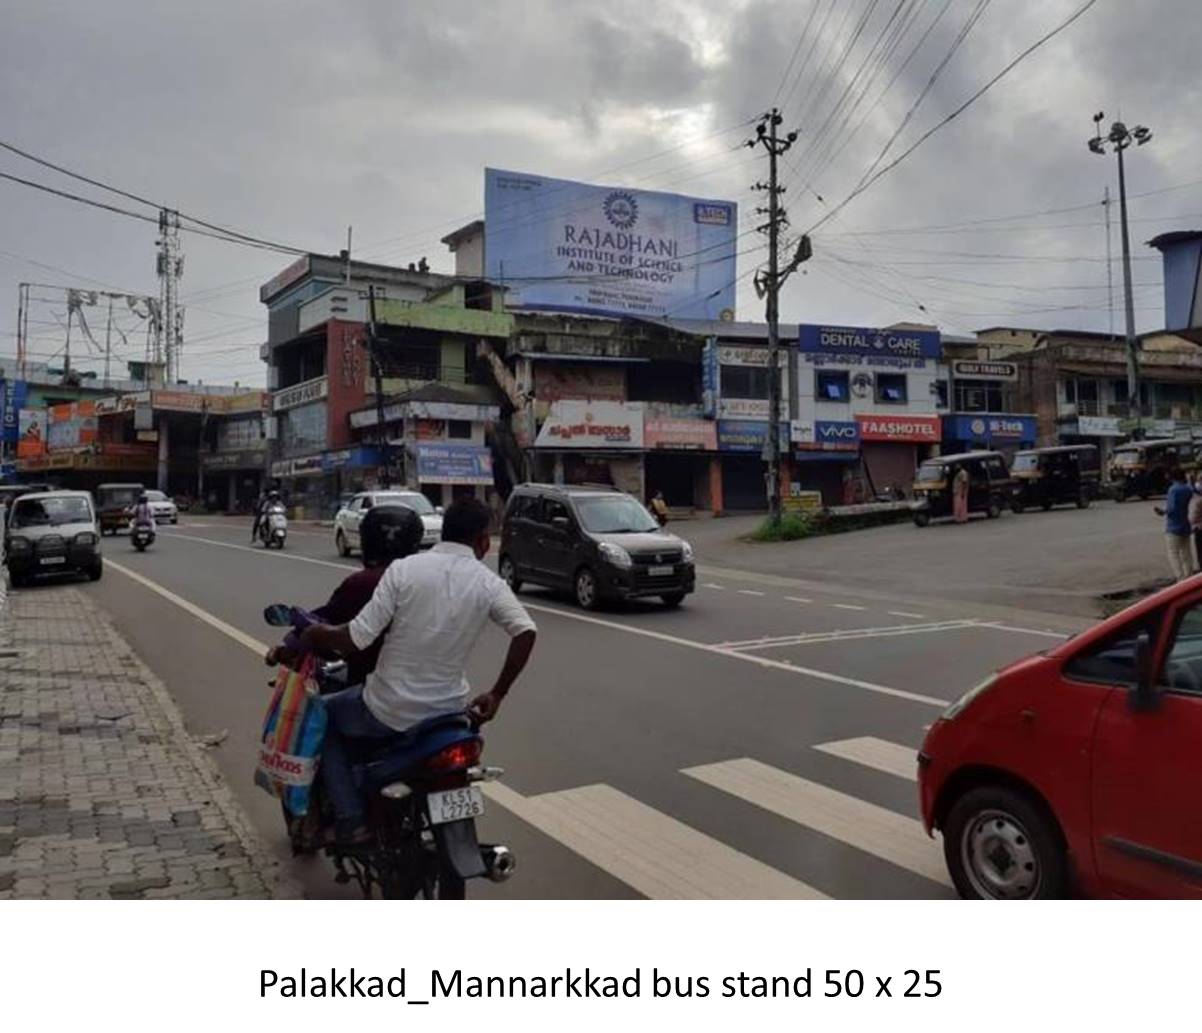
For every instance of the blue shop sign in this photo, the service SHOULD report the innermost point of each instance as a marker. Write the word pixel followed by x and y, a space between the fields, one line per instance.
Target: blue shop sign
pixel 12 401
pixel 990 428
pixel 748 436
pixel 453 464
pixel 363 455
pixel 866 341
pixel 837 434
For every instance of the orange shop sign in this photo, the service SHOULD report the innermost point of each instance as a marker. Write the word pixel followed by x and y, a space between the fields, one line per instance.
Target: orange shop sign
pixel 901 428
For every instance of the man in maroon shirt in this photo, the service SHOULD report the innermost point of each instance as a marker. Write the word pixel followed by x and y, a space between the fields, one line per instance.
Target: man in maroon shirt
pixel 387 533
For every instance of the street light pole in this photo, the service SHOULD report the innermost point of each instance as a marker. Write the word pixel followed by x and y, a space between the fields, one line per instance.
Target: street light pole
pixel 1120 138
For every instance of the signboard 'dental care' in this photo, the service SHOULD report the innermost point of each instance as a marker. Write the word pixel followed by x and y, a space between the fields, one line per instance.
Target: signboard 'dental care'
pixel 560 245
pixel 595 425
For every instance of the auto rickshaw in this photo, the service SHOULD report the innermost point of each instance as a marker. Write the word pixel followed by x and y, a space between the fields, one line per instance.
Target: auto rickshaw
pixel 989 485
pixel 113 503
pixel 1142 467
pixel 1046 477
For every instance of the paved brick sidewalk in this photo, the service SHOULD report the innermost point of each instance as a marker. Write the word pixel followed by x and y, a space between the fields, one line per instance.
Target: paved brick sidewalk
pixel 102 792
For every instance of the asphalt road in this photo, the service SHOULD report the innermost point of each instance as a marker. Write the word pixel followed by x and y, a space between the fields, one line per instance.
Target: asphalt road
pixel 757 742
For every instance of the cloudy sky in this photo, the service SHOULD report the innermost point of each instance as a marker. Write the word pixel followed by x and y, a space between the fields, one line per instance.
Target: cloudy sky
pixel 292 120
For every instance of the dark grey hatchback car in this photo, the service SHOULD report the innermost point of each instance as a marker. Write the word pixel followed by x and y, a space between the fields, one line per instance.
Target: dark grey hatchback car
pixel 601 544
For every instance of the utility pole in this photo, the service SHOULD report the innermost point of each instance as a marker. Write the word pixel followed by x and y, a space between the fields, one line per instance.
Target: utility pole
pixel 768 285
pixel 1120 138
pixel 378 372
pixel 1109 264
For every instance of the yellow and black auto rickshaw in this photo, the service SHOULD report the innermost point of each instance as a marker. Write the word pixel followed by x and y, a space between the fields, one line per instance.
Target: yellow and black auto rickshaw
pixel 1046 477
pixel 1142 467
pixel 988 485
pixel 113 503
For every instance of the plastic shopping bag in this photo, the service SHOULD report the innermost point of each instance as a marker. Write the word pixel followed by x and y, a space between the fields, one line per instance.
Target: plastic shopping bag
pixel 293 732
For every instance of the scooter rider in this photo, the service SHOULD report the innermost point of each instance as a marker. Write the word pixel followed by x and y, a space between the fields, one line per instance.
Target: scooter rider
pixel 387 533
pixel 270 499
pixel 143 514
pixel 431 609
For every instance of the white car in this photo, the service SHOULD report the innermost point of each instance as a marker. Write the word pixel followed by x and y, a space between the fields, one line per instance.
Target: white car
pixel 348 518
pixel 165 511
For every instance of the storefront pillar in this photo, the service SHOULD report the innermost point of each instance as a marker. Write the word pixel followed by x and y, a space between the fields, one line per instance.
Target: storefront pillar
pixel 715 478
pixel 164 448
pixel 231 493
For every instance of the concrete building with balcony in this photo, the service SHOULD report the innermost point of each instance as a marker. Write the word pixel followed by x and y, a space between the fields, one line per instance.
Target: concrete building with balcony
pixel 1075 383
pixel 326 441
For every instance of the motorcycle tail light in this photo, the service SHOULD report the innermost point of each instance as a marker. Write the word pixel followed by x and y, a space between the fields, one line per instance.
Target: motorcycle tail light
pixel 457 756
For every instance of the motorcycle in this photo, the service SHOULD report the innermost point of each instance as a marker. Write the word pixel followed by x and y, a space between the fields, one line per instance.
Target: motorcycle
pixel 142 536
pixel 274 527
pixel 423 796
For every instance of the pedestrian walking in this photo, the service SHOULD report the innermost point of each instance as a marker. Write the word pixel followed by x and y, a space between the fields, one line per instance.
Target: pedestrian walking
pixel 1195 519
pixel 960 495
pixel 1177 533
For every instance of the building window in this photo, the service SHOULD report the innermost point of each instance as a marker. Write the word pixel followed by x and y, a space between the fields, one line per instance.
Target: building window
pixel 461 429
pixel 745 382
pixel 940 391
pixel 1070 392
pixel 830 385
pixel 979 396
pixel 303 429
pixel 891 389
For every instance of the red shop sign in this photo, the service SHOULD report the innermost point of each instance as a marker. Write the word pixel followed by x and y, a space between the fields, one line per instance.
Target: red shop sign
pixel 922 429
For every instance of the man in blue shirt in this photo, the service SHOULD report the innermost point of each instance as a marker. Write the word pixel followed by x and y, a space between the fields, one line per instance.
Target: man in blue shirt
pixel 1176 525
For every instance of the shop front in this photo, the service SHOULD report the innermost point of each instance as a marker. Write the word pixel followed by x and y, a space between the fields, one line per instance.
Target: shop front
pixel 585 442
pixel 825 454
pixel 682 462
pixel 742 445
pixel 233 481
pixel 1001 432
pixel 893 446
pixel 447 471
pixel 313 485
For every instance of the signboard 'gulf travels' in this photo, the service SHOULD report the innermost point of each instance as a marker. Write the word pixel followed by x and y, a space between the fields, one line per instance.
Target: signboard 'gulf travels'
pixel 575 247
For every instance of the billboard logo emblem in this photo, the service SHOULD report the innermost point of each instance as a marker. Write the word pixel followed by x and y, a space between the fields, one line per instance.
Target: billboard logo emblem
pixel 712 214
pixel 621 209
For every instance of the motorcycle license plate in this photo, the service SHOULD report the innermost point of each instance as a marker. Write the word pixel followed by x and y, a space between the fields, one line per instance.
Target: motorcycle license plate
pixel 48 560
pixel 455 804
pixel 660 571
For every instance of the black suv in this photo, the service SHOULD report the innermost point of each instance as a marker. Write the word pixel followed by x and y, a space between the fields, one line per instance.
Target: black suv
pixel 600 543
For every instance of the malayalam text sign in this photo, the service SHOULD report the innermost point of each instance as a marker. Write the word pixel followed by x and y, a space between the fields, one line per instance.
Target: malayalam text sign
pixel 578 247
pixel 597 425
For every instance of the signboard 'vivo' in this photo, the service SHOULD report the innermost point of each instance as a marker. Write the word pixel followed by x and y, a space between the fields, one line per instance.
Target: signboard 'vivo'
pixel 576 247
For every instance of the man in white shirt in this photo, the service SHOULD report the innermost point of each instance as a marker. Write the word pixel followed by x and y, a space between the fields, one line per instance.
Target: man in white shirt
pixel 434 607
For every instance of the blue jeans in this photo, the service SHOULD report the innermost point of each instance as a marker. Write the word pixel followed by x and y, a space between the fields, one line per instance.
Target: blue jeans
pixel 349 718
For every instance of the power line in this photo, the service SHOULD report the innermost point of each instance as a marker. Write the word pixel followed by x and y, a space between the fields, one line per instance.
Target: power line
pixel 864 185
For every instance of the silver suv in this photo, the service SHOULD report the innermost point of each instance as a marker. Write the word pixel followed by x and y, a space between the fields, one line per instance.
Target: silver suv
pixel 52 532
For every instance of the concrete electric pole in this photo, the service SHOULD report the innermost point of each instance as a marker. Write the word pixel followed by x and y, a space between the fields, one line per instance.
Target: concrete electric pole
pixel 1120 138
pixel 373 349
pixel 768 285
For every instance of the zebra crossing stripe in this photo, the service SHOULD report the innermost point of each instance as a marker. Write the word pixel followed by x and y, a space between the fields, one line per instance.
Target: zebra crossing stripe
pixel 858 823
pixel 655 854
pixel 880 754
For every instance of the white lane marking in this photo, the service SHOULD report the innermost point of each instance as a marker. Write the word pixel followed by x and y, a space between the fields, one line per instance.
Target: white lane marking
pixel 807 637
pixel 904 613
pixel 880 754
pixel 718 588
pixel 999 626
pixel 653 853
pixel 797 599
pixel 762 661
pixel 837 679
pixel 274 553
pixel 240 637
pixel 875 830
pixel 748 591
pixel 848 606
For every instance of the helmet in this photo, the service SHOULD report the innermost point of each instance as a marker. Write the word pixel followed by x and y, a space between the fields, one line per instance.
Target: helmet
pixel 390 532
pixel 273 494
pixel 143 497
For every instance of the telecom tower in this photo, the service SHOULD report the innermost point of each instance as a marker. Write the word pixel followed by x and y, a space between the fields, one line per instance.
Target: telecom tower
pixel 169 339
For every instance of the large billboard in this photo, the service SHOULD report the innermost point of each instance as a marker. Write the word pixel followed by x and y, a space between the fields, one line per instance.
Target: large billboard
pixel 559 245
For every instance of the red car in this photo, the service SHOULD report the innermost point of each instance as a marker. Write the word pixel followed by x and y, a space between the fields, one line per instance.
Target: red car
pixel 1079 770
